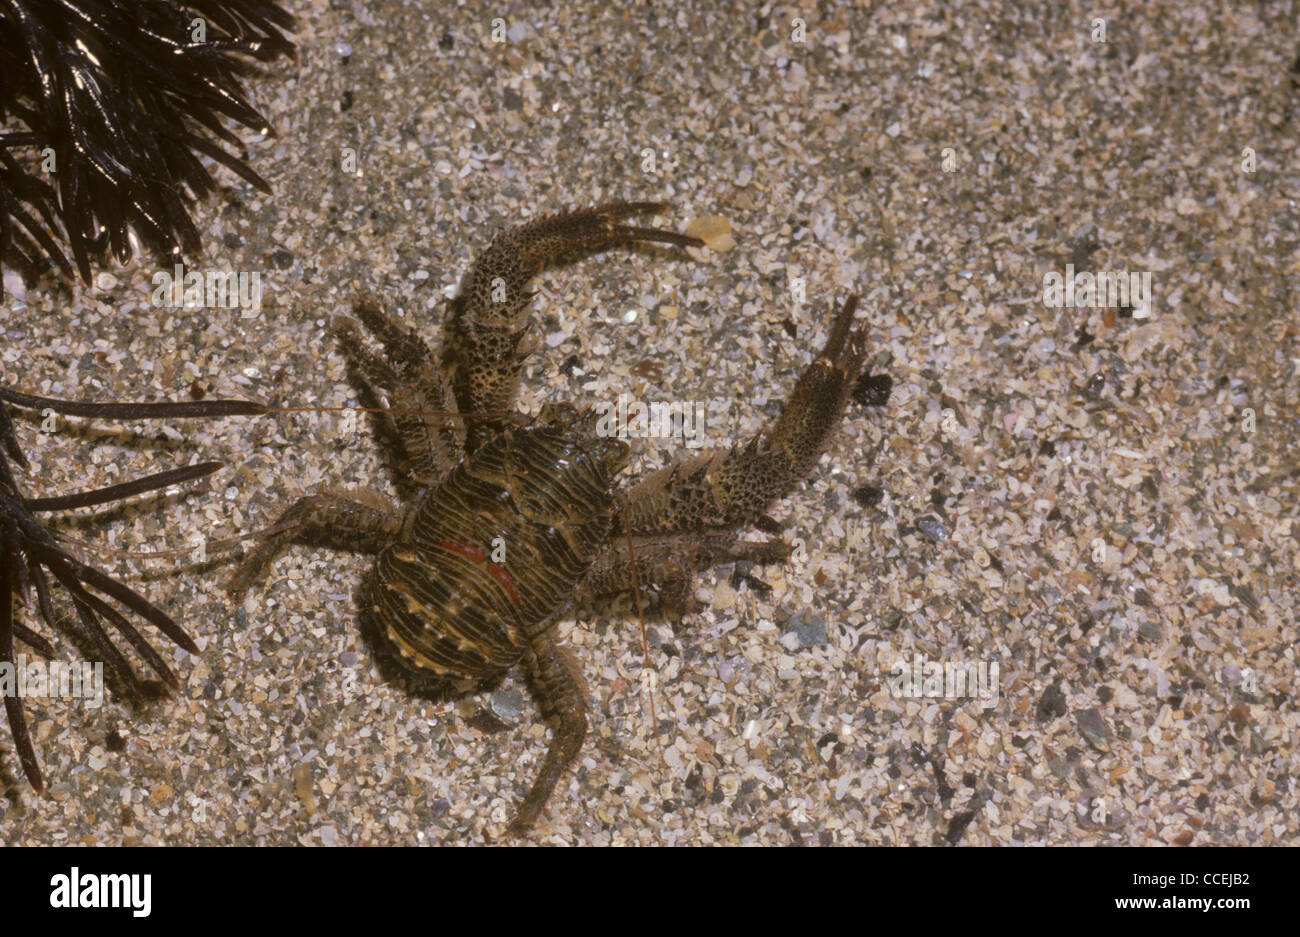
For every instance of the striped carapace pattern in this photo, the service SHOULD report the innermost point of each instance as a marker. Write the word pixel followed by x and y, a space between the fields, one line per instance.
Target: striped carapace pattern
pixel 494 552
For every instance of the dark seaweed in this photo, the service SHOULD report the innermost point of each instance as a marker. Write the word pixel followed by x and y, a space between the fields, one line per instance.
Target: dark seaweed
pixel 128 103
pixel 30 555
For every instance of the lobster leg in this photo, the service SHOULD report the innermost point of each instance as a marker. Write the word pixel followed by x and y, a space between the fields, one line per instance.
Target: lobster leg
pixel 671 563
pixel 556 681
pixel 421 399
pixel 712 494
pixel 486 338
pixel 344 521
pixel 685 517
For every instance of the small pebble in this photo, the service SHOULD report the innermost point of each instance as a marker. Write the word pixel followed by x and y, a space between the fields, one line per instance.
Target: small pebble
pixel 873 390
pixel 1051 704
pixel 932 528
pixel 1151 630
pixel 15 288
pixel 714 231
pixel 507 704
pixel 807 629
pixel 868 495
pixel 1094 729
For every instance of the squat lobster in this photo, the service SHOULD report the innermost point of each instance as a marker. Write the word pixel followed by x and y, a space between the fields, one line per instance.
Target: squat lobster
pixel 544 489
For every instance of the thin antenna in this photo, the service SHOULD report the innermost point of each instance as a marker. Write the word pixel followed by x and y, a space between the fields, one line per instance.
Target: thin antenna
pixel 645 644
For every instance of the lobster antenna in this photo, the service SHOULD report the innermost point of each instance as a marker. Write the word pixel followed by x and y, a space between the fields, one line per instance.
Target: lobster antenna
pixel 645 644
pixel 216 546
pixel 448 414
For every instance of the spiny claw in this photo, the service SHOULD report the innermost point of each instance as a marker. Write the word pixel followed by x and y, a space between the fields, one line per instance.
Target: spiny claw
pixel 485 336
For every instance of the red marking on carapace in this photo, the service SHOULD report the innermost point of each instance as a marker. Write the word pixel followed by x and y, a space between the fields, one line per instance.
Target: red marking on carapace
pixel 464 549
pixel 495 570
pixel 507 581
